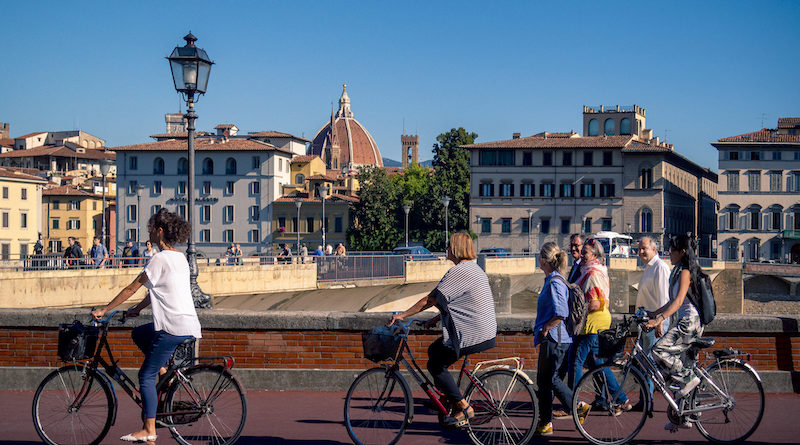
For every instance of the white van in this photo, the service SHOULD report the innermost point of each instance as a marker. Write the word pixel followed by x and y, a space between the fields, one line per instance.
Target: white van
pixel 614 244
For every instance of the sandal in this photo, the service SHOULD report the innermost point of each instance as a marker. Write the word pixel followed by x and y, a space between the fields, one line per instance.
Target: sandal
pixel 134 439
pixel 455 422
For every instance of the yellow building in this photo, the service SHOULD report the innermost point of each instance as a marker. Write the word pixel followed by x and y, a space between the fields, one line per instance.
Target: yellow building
pixel 309 173
pixel 20 212
pixel 69 211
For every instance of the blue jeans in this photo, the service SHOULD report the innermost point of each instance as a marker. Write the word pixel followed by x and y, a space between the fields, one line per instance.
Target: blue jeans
pixel 585 350
pixel 551 355
pixel 157 348
pixel 648 340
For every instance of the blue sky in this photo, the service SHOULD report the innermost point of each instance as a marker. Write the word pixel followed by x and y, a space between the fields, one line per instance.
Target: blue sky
pixel 703 70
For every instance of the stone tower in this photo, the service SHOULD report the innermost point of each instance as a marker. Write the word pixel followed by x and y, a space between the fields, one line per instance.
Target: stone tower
pixel 5 130
pixel 410 145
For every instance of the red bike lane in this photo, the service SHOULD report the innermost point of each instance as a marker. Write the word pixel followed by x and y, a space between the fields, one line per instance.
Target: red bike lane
pixel 312 417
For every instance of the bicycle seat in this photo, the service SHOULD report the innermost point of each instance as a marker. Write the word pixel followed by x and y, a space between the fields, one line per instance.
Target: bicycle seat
pixel 703 342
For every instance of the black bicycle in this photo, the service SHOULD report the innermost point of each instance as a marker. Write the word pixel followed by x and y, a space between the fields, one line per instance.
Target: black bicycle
pixel 199 400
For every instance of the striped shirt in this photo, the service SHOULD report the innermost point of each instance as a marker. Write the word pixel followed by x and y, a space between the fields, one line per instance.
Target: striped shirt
pixel 464 298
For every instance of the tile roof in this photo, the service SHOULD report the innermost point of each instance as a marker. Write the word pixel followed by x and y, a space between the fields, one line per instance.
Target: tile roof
pixel 571 134
pixel 50 150
pixel 224 126
pixel 26 136
pixel 304 158
pixel 327 176
pixel 17 174
pixel 204 144
pixel 275 134
pixel 180 135
pixel 763 135
pixel 6 142
pixel 544 141
pixel 788 122
pixel 67 191
pixel 637 146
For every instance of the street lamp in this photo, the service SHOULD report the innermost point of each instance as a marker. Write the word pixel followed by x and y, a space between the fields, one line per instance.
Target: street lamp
pixel 298 202
pixel 406 208
pixel 479 231
pixel 446 204
pixel 191 67
pixel 530 229
pixel 139 189
pixel 323 193
pixel 105 167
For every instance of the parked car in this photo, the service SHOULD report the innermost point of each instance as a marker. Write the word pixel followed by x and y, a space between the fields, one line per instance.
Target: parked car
pixel 414 253
pixel 494 252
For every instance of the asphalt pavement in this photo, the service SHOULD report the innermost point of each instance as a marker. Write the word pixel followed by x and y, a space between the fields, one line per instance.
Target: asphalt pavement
pixel 310 417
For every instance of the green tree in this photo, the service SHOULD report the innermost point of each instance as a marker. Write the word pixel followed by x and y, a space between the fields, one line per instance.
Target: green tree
pixel 375 216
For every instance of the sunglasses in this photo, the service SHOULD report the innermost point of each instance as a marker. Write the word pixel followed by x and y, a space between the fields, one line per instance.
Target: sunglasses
pixel 577 246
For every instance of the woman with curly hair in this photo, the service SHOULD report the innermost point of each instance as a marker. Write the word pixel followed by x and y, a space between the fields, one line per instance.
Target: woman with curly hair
pixel 166 277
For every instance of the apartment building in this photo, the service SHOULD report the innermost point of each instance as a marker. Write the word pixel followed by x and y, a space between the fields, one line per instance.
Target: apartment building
pixel 20 212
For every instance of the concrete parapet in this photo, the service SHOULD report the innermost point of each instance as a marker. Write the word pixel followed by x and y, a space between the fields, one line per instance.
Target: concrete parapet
pixel 232 280
pixel 510 265
pixel 425 271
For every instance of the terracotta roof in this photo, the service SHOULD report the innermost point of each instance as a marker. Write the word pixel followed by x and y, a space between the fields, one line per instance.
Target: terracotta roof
pixel 788 122
pixel 275 134
pixel 557 142
pixel 67 191
pixel 49 150
pixel 204 144
pixel 763 135
pixel 180 135
pixel 26 136
pixel 326 176
pixel 16 173
pixel 571 134
pixel 6 142
pixel 224 126
pixel 304 158
pixel 636 146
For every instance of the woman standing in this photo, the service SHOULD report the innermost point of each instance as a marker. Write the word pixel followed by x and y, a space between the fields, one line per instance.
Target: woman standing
pixel 166 277
pixel 469 325
pixel 551 335
pixel 149 251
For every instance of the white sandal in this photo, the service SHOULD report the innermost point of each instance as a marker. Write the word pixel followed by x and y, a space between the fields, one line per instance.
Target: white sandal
pixel 132 438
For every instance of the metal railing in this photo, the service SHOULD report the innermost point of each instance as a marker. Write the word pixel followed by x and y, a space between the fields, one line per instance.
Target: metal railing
pixel 59 262
pixel 359 267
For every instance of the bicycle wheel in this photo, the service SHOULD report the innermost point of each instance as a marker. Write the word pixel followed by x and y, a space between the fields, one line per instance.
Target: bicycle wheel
pixel 73 407
pixel 377 408
pixel 618 398
pixel 208 407
pixel 740 409
pixel 506 409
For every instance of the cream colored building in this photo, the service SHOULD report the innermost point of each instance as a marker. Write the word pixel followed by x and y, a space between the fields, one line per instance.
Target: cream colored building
pixel 760 194
pixel 69 211
pixel 20 212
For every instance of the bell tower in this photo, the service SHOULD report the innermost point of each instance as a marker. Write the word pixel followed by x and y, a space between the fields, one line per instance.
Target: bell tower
pixel 410 147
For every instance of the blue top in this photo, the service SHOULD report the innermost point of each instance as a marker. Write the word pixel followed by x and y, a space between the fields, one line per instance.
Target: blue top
pixel 98 252
pixel 552 302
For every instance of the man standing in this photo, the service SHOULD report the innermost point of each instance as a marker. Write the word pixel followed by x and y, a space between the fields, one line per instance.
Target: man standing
pixel 303 252
pixel 68 252
pixel 99 254
pixel 653 288
pixel 130 253
pixel 575 246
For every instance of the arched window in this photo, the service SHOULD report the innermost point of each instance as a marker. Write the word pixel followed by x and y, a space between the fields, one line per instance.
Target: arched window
pixel 646 221
pixel 594 127
pixel 183 166
pixel 625 126
pixel 230 166
pixel 208 166
pixel 300 179
pixel 158 166
pixel 608 127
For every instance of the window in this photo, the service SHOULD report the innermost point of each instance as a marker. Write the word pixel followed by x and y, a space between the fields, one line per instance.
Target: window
pixel 732 217
pixel 566 158
pixel 588 158
pixel 775 216
pixel 337 224
pixel 255 188
pixel 776 181
pixel 608 127
pixel 594 127
pixel 158 166
pixel 280 164
pixel 547 158
pixel 208 166
pixel 310 224
pixel 183 166
pixel 295 225
pixel 587 190
pixel 230 166
pixel 567 190
pixel 256 162
pixel 155 208
pixel 545 225
pixel 206 187
pixel 229 188
pixel 733 155
pixel 253 236
pixel 525 225
pixel 282 223
pixel 56 204
pixel 74 205
pixel 131 234
pixel 797 156
pixel 54 246
pixel 755 220
pixel 794 182
pixel 205 214
pixel 227 235
pixel 255 214
pixel 796 216
pixel 776 156
pixel 755 155
pixel 24 194
pixel 132 185
pixel 131 213
pixel 94 205
pixel 546 190
pixel 565 223
pixel 625 126
pixel 605 224
pixel 754 181
pixel 607 190
pixel 205 236
pixel 133 163
pixel 526 189
pixel 647 178
pixel 5 220
pixel 505 225
pixel 181 187
pixel 23 220
pixel 299 179
pixel 23 250
pixel 646 221
pixel 527 158
pixel 496 157
pixel 156 187
pixel 506 189
pixel 73 224
pixel 608 157
pixel 181 210
pixel 227 214
pixel 733 181
pixel 486 189
pixel 486 225
pixel 55 223
pixel 587 225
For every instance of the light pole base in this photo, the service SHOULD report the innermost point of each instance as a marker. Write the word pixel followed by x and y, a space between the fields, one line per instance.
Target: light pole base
pixel 201 299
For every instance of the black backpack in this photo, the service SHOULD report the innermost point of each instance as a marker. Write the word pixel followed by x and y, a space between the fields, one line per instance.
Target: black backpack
pixel 702 297
pixel 578 308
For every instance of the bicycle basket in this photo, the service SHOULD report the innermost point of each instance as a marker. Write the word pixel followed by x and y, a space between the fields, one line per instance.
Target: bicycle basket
pixel 380 343
pixel 76 341
pixel 611 343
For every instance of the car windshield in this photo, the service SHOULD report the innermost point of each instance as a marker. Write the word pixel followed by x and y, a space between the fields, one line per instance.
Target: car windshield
pixel 402 250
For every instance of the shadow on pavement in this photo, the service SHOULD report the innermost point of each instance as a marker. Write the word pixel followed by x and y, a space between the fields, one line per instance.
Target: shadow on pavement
pixel 253 440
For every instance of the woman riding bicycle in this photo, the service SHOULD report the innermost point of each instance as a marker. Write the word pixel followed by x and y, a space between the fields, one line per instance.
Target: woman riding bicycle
pixel 668 350
pixel 469 326
pixel 166 276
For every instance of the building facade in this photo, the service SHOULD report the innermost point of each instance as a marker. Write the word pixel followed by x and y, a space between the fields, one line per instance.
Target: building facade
pixel 69 211
pixel 759 194
pixel 20 213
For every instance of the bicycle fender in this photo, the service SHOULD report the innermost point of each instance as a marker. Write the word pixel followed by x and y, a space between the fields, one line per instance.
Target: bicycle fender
pixel 746 365
pixel 516 371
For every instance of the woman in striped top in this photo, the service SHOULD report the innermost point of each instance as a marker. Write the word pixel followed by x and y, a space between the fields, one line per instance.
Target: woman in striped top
pixel 469 325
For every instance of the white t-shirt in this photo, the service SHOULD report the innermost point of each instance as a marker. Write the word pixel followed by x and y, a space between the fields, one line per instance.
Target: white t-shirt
pixel 170 294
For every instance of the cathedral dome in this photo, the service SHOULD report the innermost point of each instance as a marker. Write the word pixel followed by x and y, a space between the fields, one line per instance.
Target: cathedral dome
pixel 343 143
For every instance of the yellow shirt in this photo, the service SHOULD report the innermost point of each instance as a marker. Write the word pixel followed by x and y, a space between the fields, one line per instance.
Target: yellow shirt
pixel 597 321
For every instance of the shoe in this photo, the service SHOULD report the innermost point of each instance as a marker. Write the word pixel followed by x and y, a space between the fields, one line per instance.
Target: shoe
pixel 455 422
pixel 544 430
pixel 623 408
pixel 689 387
pixel 560 414
pixel 638 407
pixel 673 428
pixel 583 411
pixel 131 438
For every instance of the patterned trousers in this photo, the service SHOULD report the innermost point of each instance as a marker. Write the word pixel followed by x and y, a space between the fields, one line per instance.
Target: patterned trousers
pixel 668 351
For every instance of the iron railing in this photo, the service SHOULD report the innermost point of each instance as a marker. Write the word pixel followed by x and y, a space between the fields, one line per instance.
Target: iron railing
pixel 359 267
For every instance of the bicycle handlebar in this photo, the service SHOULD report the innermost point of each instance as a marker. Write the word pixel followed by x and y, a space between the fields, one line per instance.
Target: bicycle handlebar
pixel 107 318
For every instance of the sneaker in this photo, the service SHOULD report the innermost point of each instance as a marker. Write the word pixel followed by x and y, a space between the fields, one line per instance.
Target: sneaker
pixel 689 387
pixel 545 430
pixel 560 414
pixel 583 411
pixel 623 408
pixel 673 428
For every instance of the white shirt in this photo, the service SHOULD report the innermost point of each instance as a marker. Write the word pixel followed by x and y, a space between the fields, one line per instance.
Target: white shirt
pixel 654 285
pixel 170 294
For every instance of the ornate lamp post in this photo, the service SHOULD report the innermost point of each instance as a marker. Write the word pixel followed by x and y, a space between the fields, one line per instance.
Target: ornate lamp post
pixel 139 189
pixel 406 208
pixel 323 193
pixel 446 204
pixel 298 202
pixel 105 167
pixel 191 67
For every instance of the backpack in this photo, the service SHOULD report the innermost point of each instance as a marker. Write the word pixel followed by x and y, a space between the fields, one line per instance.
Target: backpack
pixel 702 297
pixel 578 308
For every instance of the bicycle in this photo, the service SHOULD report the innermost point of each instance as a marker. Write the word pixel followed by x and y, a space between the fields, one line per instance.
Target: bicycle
pixel 379 404
pixel 197 402
pixel 727 405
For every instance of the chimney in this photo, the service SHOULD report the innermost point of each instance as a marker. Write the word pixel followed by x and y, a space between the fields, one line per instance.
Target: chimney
pixel 647 134
pixel 515 136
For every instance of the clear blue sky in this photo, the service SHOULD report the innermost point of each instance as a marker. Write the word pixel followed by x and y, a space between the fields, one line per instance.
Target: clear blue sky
pixel 703 70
